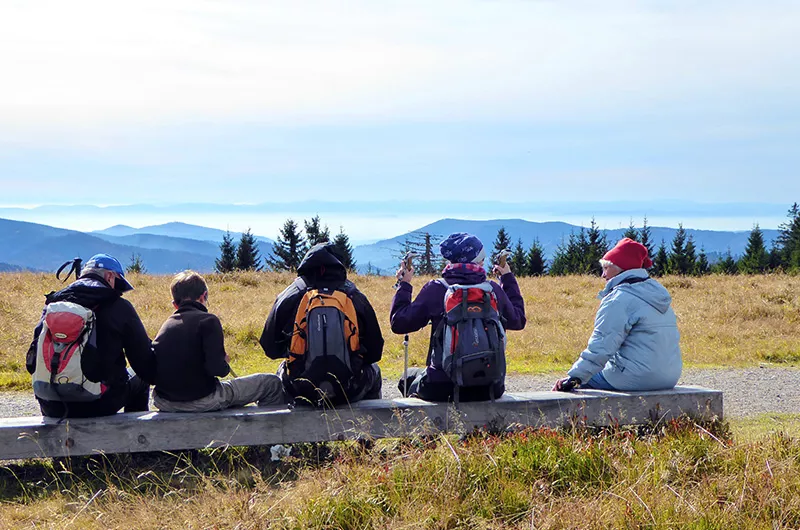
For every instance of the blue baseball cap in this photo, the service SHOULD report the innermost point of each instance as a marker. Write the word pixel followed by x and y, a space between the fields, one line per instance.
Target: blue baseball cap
pixel 104 261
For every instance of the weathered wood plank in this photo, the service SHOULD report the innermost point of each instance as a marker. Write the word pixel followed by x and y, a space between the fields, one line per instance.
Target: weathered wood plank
pixel 157 431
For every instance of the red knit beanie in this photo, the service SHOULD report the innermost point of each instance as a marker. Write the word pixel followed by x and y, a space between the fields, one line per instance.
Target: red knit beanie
pixel 629 254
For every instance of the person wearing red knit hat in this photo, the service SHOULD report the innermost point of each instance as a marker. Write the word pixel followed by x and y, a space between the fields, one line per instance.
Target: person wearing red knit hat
pixel 635 343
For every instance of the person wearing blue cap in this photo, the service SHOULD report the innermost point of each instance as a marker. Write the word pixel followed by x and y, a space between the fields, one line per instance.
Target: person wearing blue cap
pixel 114 332
pixel 465 257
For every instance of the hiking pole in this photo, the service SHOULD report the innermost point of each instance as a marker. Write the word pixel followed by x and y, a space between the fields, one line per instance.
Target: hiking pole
pixel 406 264
pixel 405 366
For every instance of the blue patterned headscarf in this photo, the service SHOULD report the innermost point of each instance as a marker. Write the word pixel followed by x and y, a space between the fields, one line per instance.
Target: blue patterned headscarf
pixel 461 248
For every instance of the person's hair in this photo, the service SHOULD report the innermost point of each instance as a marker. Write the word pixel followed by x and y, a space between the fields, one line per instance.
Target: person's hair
pixel 187 285
pixel 608 264
pixel 96 271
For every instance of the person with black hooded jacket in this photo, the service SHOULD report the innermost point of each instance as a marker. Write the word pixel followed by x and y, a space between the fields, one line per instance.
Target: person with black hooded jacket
pixel 322 269
pixel 120 335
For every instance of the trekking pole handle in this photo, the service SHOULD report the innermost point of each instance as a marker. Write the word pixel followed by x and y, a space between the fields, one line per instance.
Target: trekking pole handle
pixel 502 257
pixel 406 264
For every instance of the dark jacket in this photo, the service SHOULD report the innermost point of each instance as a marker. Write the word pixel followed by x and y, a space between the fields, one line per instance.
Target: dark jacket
pixel 407 316
pixel 190 353
pixel 120 333
pixel 320 268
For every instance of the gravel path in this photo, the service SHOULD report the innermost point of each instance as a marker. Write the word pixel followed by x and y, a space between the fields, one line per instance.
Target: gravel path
pixel 747 392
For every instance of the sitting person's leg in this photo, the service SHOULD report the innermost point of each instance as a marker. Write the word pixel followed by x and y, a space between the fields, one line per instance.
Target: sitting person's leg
pixel 597 382
pixel 266 389
pixel 368 386
pixel 138 399
pixel 412 380
pixel 432 390
pixel 481 393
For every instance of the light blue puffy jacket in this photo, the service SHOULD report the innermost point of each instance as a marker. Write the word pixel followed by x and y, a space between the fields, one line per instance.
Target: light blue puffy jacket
pixel 635 338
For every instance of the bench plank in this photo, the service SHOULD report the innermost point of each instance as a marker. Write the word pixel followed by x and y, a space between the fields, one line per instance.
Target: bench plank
pixel 161 431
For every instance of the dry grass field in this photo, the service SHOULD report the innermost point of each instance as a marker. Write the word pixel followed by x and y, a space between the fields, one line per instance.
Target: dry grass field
pixel 724 320
pixel 678 475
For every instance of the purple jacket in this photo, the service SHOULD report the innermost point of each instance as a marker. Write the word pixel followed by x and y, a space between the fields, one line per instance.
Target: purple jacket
pixel 407 316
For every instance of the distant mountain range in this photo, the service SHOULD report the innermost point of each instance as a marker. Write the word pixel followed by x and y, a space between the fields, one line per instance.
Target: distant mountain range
pixel 171 247
pixel 383 255
pixel 43 247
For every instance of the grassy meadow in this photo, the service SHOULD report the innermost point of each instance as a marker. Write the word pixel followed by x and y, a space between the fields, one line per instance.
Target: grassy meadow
pixel 676 475
pixel 724 320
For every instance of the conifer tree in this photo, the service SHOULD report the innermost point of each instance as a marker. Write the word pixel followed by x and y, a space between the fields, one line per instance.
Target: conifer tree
pixel 678 262
pixel 247 255
pixel 661 261
pixel 727 265
pixel 789 240
pixel 631 232
pixel 774 257
pixel 343 250
pixel 756 258
pixel 501 242
pixel 518 260
pixel 136 265
pixel 315 232
pixel 691 255
pixel 701 266
pixel 646 238
pixel 534 263
pixel 289 249
pixel 227 255
pixel 421 244
pixel 427 259
pixel 574 253
pixel 596 247
pixel 560 264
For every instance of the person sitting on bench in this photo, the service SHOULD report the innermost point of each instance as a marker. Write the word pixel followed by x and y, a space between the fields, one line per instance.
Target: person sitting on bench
pixel 495 304
pixel 190 355
pixel 328 331
pixel 87 331
pixel 634 346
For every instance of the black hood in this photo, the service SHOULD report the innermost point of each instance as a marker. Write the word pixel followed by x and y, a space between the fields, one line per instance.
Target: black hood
pixel 89 291
pixel 321 265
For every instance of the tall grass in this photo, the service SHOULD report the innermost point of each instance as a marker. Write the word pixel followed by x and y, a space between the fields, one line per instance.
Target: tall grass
pixel 681 475
pixel 724 320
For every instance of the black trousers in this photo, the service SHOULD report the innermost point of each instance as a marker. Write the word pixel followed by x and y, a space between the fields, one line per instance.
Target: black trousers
pixel 367 386
pixel 419 385
pixel 133 396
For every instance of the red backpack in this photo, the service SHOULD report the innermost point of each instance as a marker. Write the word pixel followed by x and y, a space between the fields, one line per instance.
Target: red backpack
pixel 470 342
pixel 68 339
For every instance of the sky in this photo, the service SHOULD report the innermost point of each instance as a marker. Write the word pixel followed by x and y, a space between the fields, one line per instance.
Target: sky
pixel 245 102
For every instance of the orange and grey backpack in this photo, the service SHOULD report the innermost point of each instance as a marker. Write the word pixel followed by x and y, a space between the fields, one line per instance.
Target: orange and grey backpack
pixel 324 341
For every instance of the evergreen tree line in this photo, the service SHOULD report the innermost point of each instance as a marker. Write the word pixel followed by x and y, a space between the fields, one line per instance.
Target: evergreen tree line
pixel 287 251
pixel 580 252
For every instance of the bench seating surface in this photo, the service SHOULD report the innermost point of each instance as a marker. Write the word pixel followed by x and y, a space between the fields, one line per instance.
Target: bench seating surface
pixel 29 437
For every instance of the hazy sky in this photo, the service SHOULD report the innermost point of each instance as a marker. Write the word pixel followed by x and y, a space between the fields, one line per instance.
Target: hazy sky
pixel 250 101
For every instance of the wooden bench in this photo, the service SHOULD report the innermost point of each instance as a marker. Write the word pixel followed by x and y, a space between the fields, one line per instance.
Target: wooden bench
pixel 30 437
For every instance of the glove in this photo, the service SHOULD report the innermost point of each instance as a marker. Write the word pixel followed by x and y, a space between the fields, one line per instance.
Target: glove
pixel 567 384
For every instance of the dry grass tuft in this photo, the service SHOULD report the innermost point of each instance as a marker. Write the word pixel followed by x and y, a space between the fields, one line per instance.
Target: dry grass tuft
pixel 724 320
